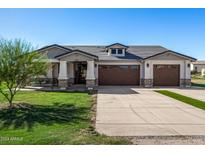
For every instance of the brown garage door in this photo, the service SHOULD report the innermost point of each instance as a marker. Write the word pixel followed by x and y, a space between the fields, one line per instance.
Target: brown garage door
pixel 166 75
pixel 119 74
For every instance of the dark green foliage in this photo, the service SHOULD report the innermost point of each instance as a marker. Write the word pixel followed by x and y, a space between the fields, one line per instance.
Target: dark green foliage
pixel 18 64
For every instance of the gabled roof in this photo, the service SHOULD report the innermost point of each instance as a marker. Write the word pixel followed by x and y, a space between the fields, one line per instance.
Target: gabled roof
pixel 176 53
pixel 73 51
pixel 69 51
pixel 54 45
pixel 119 44
pixel 133 52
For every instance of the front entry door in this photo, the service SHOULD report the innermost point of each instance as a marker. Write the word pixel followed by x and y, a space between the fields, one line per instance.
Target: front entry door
pixel 80 73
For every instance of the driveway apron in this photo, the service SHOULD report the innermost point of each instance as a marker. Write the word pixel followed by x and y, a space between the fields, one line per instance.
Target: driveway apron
pixel 132 111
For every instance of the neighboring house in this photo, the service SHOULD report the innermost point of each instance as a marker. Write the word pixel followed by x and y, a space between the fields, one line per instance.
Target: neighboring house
pixel 197 66
pixel 117 64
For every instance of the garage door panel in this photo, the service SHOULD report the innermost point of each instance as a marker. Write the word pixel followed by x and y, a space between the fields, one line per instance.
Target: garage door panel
pixel 118 75
pixel 166 75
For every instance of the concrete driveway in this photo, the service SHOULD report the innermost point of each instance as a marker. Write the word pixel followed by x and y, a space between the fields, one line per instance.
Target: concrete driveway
pixel 132 111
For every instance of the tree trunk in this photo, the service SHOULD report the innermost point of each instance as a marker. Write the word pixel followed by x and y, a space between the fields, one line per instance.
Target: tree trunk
pixel 10 105
pixel 11 102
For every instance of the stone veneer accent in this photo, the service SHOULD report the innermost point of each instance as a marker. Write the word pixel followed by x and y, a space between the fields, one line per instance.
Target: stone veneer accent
pixel 185 82
pixel 147 83
pixel 63 83
pixel 45 82
pixel 90 83
pixel 96 81
pixel 141 82
pixel 71 81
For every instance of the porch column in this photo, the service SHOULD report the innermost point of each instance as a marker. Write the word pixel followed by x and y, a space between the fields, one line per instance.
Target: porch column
pixel 50 72
pixel 71 73
pixel 49 76
pixel 186 80
pixel 90 76
pixel 148 74
pixel 63 75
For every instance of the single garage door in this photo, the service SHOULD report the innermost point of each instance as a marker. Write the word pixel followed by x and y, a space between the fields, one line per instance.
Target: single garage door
pixel 119 74
pixel 166 75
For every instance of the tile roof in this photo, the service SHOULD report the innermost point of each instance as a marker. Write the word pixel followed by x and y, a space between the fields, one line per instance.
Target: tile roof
pixel 133 52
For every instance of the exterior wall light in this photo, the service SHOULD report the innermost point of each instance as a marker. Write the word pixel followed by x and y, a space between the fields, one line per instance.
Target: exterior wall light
pixel 147 64
pixel 188 65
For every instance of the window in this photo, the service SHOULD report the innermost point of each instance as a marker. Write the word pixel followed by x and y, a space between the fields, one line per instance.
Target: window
pixel 123 66
pixel 195 68
pixel 119 51
pixel 113 51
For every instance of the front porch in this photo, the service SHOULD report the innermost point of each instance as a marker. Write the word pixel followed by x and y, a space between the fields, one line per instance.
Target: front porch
pixel 71 73
pixel 75 68
pixel 68 73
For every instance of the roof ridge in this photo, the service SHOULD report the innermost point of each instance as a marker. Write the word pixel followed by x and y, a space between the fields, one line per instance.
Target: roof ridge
pixel 81 45
pixel 105 45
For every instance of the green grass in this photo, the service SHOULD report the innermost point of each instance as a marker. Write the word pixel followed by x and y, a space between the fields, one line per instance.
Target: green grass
pixel 50 118
pixel 197 80
pixel 185 99
pixel 195 84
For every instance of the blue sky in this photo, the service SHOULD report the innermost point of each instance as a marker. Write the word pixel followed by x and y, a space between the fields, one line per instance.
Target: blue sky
pixel 181 30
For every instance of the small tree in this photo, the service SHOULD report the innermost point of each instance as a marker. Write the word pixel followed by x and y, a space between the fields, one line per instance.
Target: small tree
pixel 18 64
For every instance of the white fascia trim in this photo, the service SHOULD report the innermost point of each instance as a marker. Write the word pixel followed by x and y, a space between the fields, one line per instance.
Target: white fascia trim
pixel 74 52
pixel 165 62
pixel 118 63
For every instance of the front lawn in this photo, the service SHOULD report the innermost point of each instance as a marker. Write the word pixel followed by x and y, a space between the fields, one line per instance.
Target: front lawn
pixel 197 80
pixel 50 118
pixel 185 99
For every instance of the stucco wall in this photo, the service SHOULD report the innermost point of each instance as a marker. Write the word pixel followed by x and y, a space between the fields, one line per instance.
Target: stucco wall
pixel 52 52
pixel 70 70
pixel 55 70
pixel 76 57
pixel 167 56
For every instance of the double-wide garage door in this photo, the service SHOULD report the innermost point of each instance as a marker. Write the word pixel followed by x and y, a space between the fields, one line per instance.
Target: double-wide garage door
pixel 118 74
pixel 166 75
